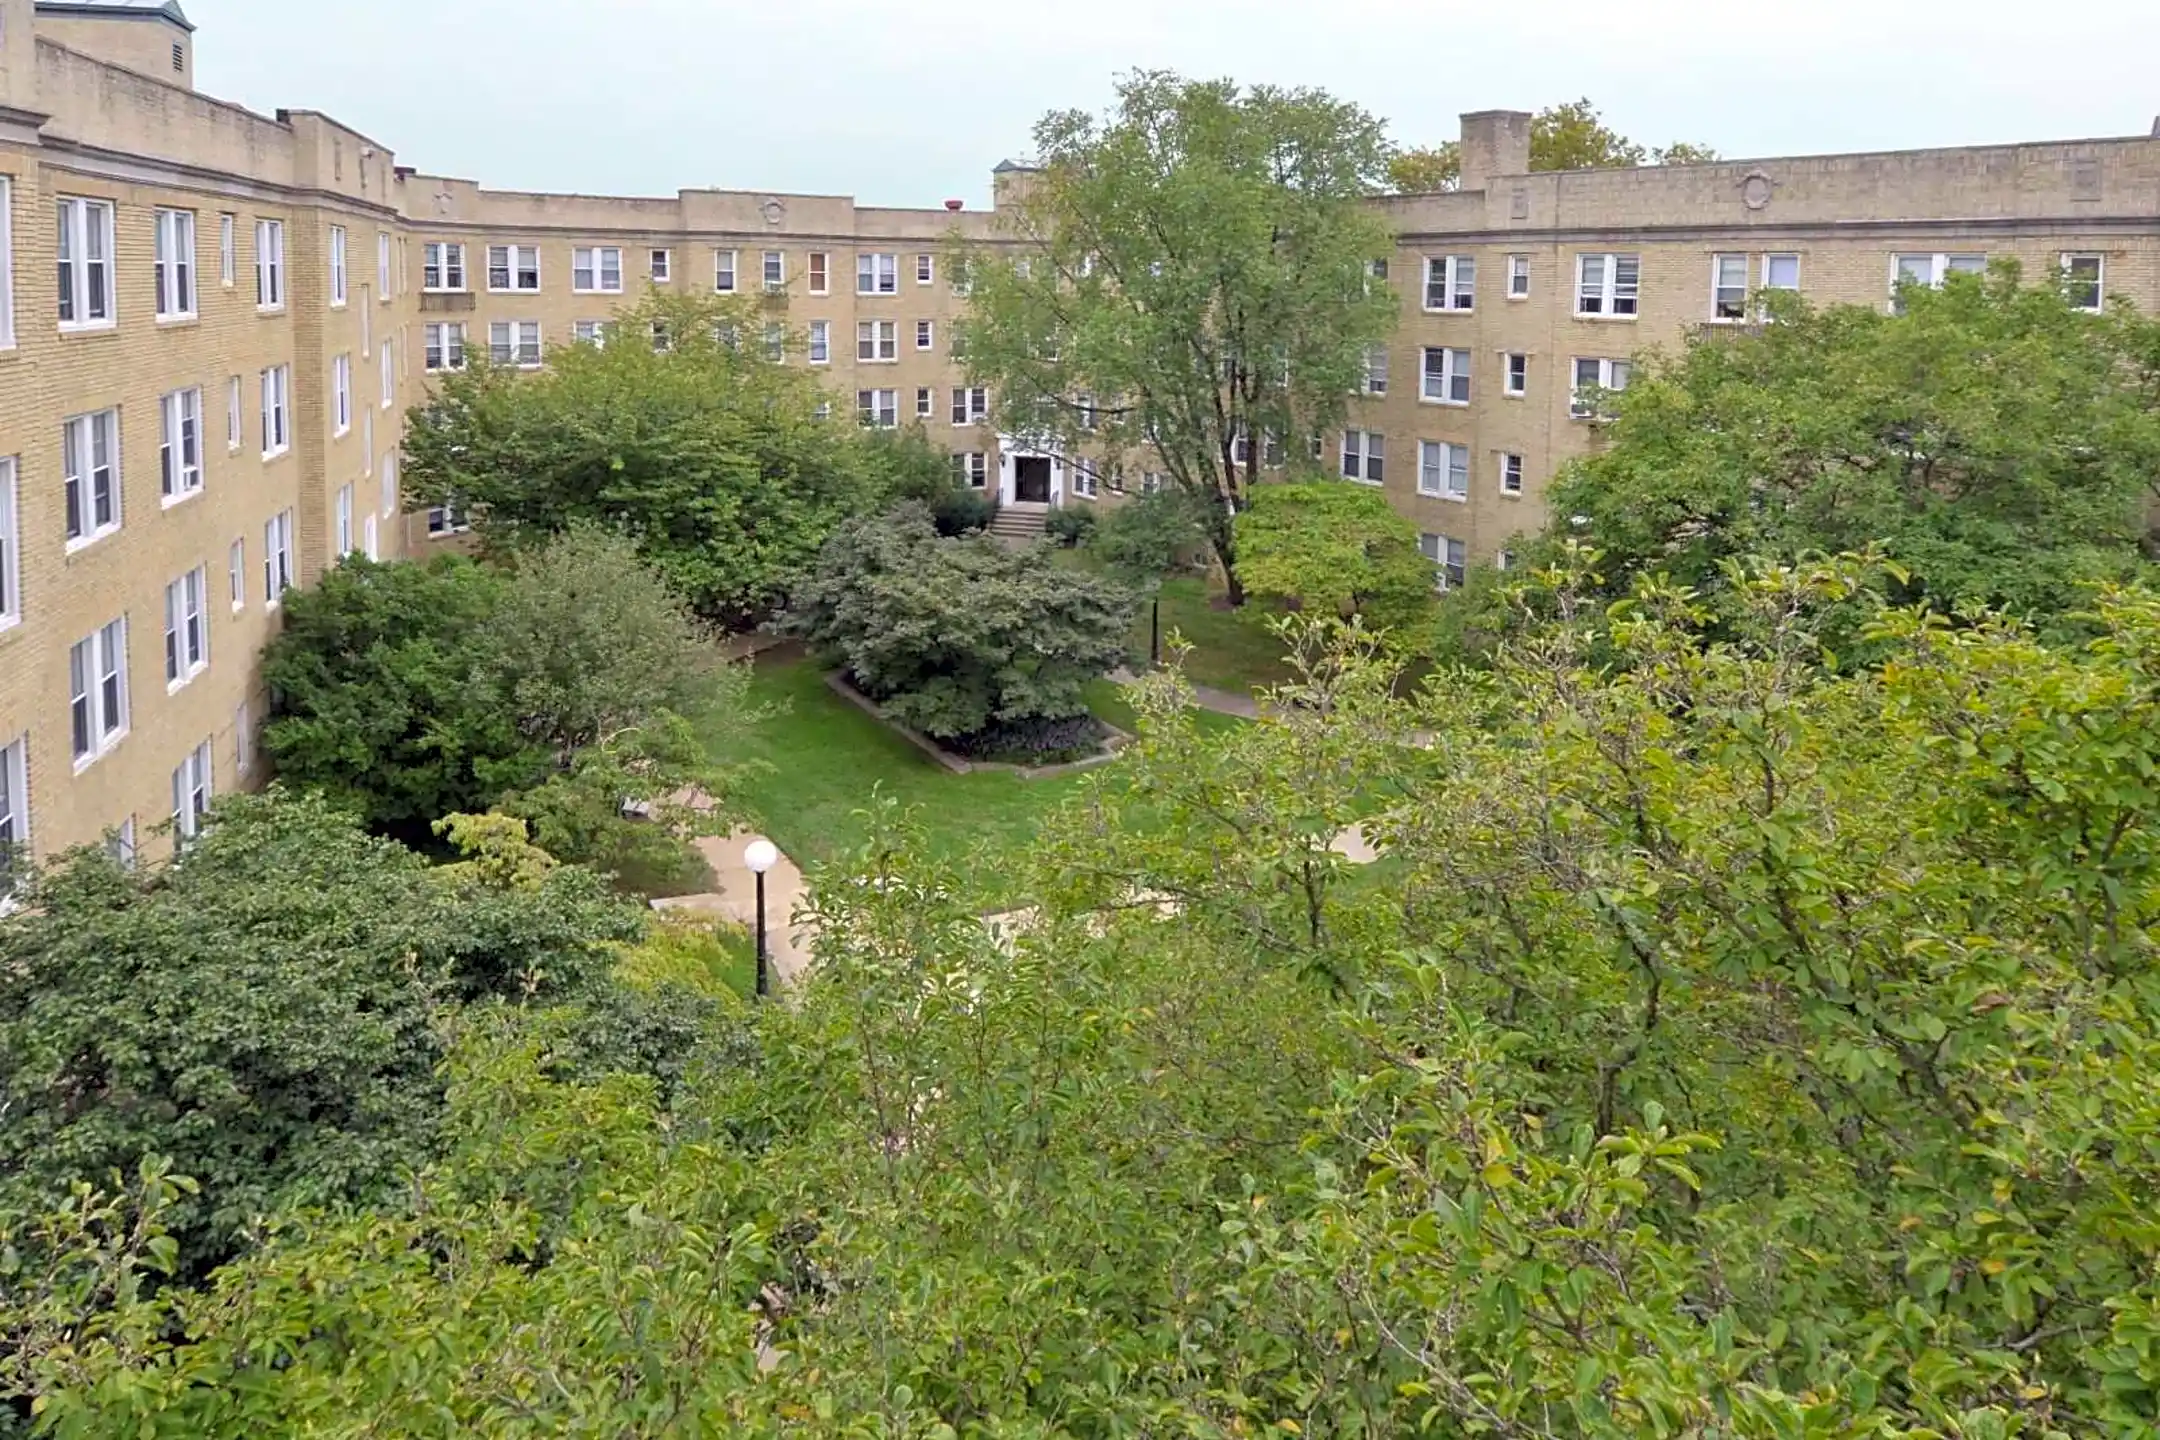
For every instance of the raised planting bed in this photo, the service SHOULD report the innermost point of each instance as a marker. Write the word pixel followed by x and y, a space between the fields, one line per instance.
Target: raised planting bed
pixel 1092 742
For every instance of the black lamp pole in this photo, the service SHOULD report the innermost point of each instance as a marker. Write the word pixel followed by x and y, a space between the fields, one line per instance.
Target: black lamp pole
pixel 1154 639
pixel 764 986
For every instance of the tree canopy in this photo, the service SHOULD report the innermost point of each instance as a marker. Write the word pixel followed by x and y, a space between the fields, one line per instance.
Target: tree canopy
pixel 1189 275
pixel 1337 549
pixel 1572 136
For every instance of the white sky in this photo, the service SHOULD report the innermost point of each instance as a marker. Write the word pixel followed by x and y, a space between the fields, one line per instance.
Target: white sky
pixel 907 102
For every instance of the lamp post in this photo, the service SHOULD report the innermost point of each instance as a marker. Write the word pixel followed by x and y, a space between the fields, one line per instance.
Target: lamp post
pixel 1154 638
pixel 761 856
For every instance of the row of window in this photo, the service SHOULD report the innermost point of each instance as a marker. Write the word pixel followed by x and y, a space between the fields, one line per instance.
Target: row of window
pixel 192 783
pixel 1608 286
pixel 1443 466
pixel 1444 377
pixel 599 270
pixel 880 409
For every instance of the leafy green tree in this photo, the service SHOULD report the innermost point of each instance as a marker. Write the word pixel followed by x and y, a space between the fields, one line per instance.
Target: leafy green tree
pixel 1572 136
pixel 1193 273
pixel 1149 536
pixel 707 453
pixel 951 636
pixel 263 1012
pixel 1336 549
pixel 1996 443
pixel 1424 171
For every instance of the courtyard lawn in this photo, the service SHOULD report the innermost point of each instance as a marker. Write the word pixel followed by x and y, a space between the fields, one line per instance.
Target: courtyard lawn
pixel 1234 650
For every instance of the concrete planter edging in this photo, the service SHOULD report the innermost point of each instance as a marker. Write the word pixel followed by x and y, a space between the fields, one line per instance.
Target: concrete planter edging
pixel 961 766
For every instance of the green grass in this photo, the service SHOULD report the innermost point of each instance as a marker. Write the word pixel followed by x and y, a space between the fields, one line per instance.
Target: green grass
pixel 1234 650
pixel 1107 699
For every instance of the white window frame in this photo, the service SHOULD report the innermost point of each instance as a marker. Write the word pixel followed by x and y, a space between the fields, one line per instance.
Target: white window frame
pixel 1444 470
pixel 180 447
pixel 1724 310
pixel 1518 277
pixel 14 808
pixel 234 419
pixel 341 526
pixel 228 249
pixel 390 482
pixel 1581 404
pixel 439 339
pixel 1769 271
pixel 11 568
pixel 970 404
pixel 81 439
pixel 243 738
pixel 1450 558
pixel 1939 265
pixel 1511 474
pixel 442 267
pixel 772 269
pixel 926 335
pixel 877 342
pixel 236 574
pixel 173 270
pixel 820 342
pixel 341 406
pixel 276 384
pixel 388 378
pixel 1514 378
pixel 727 277
pixel 1376 370
pixel 98 693
pixel 1455 278
pixel 514 270
pixel 817 271
pixel 1608 297
pixel 877 272
pixel 592 265
pixel 187 628
pixel 513 348
pixel 2071 285
pixel 277 558
pixel 87 292
pixel 878 409
pixel 1450 384
pixel 7 262
pixel 382 266
pixel 191 782
pixel 659 264
pixel 1364 456
pixel 338 276
pixel 447 520
pixel 925 402
pixel 269 265
pixel 370 537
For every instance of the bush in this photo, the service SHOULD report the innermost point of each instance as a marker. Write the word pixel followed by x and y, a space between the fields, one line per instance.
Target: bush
pixel 1149 535
pixel 1038 741
pixel 962 510
pixel 1337 549
pixel 1070 525
pixel 954 636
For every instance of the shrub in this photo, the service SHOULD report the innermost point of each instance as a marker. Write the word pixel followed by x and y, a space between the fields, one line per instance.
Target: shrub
pixel 1338 549
pixel 962 510
pixel 1070 525
pixel 953 636
pixel 1037 741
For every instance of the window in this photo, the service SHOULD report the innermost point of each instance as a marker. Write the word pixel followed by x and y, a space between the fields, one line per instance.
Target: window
pixel 447 520
pixel 2085 281
pixel 1443 470
pixel 390 482
pixel 597 269
pixel 10 548
pixel 337 265
pixel 1447 376
pixel 1518 374
pixel 367 323
pixel 724 271
pixel 514 342
pixel 1377 269
pixel 879 409
pixel 925 269
pixel 7 263
pixel 269 264
pixel 1591 378
pixel 660 265
pixel 1450 558
pixel 1505 560
pixel 1728 287
pixel 232 413
pixel 925 335
pixel 820 342
pixel 820 278
pixel 187 629
pixel 1929 270
pixel 174 243
pixel 824 410
pixel 86 250
pixel 341 543
pixel 1781 272
pixel 442 265
pixel 191 795
pixel 446 347
pixel 98 691
pixel 972 468
pixel 877 340
pixel 388 379
pixel 180 467
pixel 1608 286
pixel 14 806
pixel 589 332
pixel 1090 416
pixel 1083 478
pixel 1151 481
pixel 1376 370
pixel 243 726
pixel 661 341
pixel 382 265
pixel 1518 277
pixel 90 465
pixel 514 268
pixel 1364 454
pixel 775 271
pixel 970 405
pixel 1511 466
pixel 877 274
pixel 962 284
pixel 775 341
pixel 341 393
pixel 276 396
pixel 1450 282
pixel 369 545
pixel 228 260
pixel 236 575
pixel 925 402
pixel 277 556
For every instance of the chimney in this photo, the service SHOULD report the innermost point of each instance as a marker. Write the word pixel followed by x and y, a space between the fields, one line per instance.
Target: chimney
pixel 956 206
pixel 1494 143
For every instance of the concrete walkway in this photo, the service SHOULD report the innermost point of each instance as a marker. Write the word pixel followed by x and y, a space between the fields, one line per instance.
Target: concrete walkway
pixel 1222 702
pixel 736 900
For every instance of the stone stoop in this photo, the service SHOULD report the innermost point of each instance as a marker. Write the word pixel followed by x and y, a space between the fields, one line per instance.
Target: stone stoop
pixel 1019 524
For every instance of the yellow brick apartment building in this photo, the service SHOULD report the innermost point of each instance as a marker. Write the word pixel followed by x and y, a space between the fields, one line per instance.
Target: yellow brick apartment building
pixel 212 323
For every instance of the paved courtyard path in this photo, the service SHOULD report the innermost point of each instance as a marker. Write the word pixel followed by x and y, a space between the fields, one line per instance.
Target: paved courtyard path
pixel 735 899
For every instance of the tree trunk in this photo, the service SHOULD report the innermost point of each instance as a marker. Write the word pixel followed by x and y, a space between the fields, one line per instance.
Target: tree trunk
pixel 1226 556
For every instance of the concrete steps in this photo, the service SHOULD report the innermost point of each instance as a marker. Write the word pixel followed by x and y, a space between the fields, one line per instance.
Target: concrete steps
pixel 1019 524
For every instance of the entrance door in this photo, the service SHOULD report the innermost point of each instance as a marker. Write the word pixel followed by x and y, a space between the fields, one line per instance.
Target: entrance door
pixel 1031 479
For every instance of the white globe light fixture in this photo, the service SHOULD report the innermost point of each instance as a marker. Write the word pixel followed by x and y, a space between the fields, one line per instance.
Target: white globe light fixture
pixel 761 855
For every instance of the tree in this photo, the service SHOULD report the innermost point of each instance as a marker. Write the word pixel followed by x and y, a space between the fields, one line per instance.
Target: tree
pixel 1992 440
pixel 955 636
pixel 1421 172
pixel 707 454
pixel 1148 536
pixel 1336 549
pixel 1562 137
pixel 264 1013
pixel 1194 273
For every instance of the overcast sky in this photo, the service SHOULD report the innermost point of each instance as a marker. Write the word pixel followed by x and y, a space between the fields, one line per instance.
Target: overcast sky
pixel 908 102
